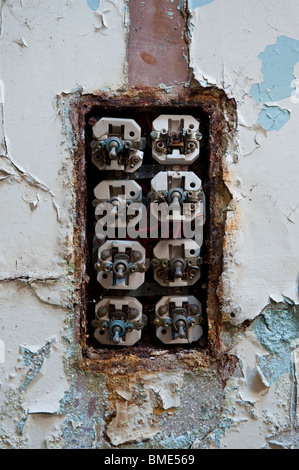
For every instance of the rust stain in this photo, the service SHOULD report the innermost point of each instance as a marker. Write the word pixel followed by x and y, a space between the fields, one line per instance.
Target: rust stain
pixel 226 369
pixel 123 366
pixel 156 27
pixel 231 234
pixel 232 226
pixel 215 105
pixel 148 58
pixel 227 176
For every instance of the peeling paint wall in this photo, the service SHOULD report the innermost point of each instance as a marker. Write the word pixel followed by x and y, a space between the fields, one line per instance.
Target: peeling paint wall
pixel 252 55
pixel 264 188
pixel 246 395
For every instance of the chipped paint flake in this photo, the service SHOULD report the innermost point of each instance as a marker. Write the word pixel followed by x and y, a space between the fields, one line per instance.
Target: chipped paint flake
pixel 166 88
pixel 35 360
pixel 132 423
pixel 169 392
pixel 127 21
pixel 31 199
pixel 137 422
pixel 276 330
pixel 21 42
pixel 273 117
pixel 278 62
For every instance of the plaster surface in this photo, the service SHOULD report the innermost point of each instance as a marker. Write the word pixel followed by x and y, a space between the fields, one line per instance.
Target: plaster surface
pixel 52 52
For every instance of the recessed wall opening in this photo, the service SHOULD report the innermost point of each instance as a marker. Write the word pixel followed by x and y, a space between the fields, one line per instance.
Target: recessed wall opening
pixel 144 108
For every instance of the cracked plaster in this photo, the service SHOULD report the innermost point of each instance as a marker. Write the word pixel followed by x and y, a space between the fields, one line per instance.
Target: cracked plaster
pixel 36 290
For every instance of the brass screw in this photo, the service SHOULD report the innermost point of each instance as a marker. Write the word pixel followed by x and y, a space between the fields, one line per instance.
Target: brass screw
pixel 194 309
pixel 136 255
pixel 102 311
pixel 133 313
pixel 162 310
pixel 105 254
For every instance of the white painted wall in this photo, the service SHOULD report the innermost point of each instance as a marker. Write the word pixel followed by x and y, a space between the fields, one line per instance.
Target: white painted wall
pixel 236 45
pixel 263 181
pixel 47 50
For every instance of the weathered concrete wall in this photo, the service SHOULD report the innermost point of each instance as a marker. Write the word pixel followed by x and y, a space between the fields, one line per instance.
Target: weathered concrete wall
pixel 246 397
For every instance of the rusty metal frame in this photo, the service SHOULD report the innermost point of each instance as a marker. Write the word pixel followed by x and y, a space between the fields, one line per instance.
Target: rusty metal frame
pixel 221 115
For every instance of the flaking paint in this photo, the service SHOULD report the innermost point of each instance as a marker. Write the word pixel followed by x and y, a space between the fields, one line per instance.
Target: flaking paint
pixel 247 396
pixel 278 62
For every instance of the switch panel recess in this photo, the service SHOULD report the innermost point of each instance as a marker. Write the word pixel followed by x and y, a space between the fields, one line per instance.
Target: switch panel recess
pixel 151 222
pixel 149 213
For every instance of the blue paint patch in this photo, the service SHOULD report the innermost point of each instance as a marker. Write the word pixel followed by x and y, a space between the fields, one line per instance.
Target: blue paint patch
pixel 276 329
pixel 79 88
pixel 192 4
pixel 93 4
pixel 23 422
pixel 278 61
pixel 275 366
pixel 34 360
pixel 273 117
pixel 181 5
pixel 127 21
